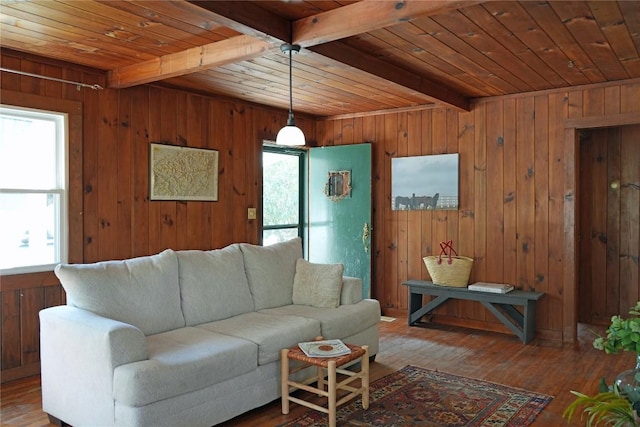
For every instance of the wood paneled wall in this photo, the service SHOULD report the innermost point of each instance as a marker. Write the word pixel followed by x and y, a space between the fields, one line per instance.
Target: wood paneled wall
pixel 517 189
pixel 518 192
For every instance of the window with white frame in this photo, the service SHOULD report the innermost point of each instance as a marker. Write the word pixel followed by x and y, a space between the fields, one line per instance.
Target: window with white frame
pixel 33 190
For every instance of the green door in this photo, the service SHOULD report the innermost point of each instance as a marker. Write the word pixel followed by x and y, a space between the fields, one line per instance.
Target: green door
pixel 339 210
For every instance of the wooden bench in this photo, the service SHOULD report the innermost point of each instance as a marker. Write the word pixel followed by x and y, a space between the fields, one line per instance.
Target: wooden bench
pixel 503 306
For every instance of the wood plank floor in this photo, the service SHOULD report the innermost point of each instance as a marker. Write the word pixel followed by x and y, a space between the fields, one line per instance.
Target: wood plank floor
pixel 540 366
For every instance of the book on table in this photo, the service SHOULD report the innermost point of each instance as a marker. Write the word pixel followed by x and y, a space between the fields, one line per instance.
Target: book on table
pixel 324 348
pixel 496 288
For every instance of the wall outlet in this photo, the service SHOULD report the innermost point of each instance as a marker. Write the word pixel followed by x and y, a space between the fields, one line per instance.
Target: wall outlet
pixel 251 213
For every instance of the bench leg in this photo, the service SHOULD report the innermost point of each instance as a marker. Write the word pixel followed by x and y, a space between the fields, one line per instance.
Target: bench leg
pixel 529 321
pixel 416 315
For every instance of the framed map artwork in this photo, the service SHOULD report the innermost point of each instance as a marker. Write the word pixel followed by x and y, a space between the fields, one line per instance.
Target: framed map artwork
pixel 183 173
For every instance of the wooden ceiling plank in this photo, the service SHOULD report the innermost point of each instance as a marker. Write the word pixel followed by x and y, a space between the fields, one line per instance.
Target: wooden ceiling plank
pixel 302 91
pixel 528 42
pixel 36 45
pixel 631 12
pixel 549 22
pixel 447 64
pixel 199 58
pixel 348 20
pixel 41 27
pixel 378 42
pixel 581 23
pixel 187 17
pixel 318 69
pixel 304 88
pixel 491 45
pixel 612 22
pixel 347 55
pixel 153 17
pixel 95 25
pixel 330 75
pixel 131 25
pixel 232 87
pixel 271 79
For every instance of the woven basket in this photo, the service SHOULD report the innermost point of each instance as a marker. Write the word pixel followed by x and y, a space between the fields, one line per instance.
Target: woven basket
pixel 455 274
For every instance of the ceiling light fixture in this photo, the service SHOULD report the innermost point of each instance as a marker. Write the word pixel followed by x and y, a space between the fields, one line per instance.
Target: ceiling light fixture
pixel 290 134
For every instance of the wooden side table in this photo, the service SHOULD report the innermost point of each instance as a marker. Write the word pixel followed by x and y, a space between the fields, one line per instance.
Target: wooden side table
pixel 332 366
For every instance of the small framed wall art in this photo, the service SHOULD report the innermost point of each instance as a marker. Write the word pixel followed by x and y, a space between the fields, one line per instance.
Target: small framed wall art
pixel 425 182
pixel 183 173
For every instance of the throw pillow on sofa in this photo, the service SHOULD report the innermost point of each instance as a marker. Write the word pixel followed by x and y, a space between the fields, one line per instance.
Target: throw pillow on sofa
pixel 317 285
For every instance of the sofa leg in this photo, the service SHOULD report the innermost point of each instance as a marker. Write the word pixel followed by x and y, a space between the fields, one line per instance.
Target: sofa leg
pixel 372 358
pixel 55 421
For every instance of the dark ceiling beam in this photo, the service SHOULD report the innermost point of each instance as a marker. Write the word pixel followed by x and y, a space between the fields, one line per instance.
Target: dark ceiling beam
pixel 348 21
pixel 250 19
pixel 316 31
pixel 261 31
pixel 348 55
pixel 234 49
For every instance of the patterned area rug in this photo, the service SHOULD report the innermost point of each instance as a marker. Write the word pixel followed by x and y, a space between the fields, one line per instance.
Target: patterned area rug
pixel 419 397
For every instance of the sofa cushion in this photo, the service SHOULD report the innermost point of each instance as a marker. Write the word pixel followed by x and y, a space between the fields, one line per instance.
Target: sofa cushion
pixel 213 284
pixel 318 285
pixel 270 333
pixel 336 323
pixel 270 271
pixel 142 292
pixel 181 361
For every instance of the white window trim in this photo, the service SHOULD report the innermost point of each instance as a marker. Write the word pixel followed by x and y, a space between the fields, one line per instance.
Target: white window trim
pixel 62 178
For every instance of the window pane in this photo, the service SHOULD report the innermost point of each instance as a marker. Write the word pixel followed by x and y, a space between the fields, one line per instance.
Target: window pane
pixel 281 189
pixel 269 237
pixel 27 152
pixel 28 229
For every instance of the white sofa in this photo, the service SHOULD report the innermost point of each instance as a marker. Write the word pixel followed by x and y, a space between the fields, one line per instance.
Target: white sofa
pixel 189 338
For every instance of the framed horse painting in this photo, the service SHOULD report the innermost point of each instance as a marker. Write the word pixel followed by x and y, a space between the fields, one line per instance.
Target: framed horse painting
pixel 425 182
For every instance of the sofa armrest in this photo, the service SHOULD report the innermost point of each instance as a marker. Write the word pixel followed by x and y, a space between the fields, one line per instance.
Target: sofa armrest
pixel 351 290
pixel 79 352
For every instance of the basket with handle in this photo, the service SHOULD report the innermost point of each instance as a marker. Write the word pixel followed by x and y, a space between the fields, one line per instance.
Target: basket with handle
pixel 448 269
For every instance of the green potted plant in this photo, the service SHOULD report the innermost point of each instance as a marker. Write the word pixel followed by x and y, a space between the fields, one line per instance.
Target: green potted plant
pixel 622 334
pixel 617 405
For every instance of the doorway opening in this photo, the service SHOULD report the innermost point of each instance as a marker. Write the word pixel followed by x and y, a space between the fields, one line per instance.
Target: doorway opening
pixel 608 218
pixel 282 194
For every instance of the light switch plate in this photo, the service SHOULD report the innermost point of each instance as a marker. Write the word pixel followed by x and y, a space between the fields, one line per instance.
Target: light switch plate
pixel 251 213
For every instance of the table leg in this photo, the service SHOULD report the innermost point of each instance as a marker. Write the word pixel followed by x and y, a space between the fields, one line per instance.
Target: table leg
pixel 284 378
pixel 320 376
pixel 365 377
pixel 332 393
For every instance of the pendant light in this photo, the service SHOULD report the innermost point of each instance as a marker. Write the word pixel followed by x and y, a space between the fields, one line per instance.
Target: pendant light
pixel 290 134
